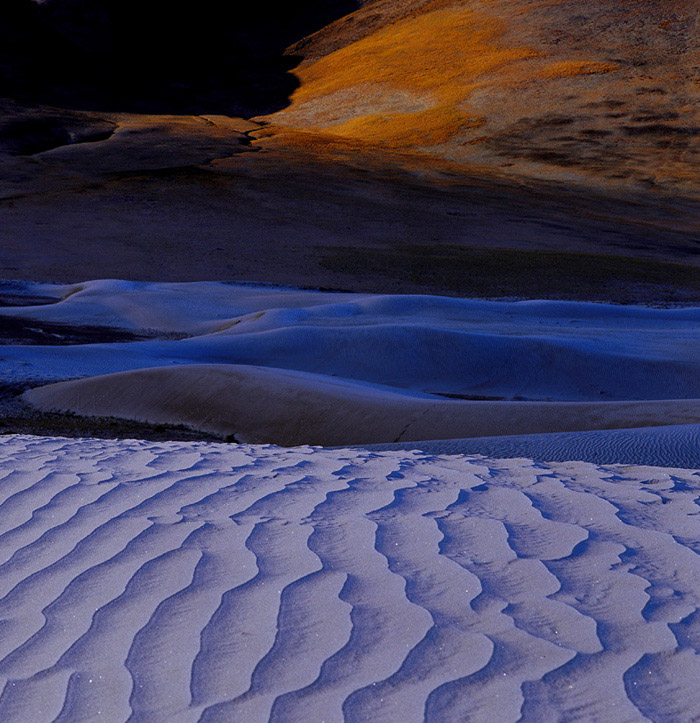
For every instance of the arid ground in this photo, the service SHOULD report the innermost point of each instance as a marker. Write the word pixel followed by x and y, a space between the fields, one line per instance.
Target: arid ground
pixel 408 146
pixel 310 285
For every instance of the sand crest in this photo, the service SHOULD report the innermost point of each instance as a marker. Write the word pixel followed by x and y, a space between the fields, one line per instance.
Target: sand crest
pixel 255 404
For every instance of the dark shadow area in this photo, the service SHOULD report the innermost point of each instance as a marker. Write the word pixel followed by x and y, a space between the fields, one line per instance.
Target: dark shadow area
pixel 515 273
pixel 28 136
pixel 156 57
pixel 44 333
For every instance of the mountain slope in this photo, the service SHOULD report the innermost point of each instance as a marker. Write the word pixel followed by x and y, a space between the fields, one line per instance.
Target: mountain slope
pixel 604 91
pixel 407 137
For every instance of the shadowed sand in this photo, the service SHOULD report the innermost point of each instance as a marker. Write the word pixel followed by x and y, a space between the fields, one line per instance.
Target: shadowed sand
pixel 291 366
pixel 289 408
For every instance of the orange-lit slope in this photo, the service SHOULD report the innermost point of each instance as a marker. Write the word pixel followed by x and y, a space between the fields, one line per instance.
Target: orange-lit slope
pixel 599 91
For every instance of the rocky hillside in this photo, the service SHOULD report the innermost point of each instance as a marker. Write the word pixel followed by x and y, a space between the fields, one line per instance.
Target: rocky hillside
pixel 603 90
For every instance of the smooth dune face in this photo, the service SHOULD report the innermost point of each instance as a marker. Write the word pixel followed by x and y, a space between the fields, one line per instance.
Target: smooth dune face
pixel 424 344
pixel 207 582
pixel 255 405
pixel 595 92
pixel 288 366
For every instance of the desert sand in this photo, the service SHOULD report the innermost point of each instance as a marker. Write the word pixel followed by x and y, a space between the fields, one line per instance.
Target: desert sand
pixel 178 581
pixel 253 404
pixel 375 226
pixel 290 366
pixel 675 445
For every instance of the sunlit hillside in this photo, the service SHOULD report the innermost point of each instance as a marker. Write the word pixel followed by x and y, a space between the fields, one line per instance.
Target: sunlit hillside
pixel 387 146
pixel 566 90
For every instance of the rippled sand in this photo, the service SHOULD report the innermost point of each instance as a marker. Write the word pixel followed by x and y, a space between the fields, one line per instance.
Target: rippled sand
pixel 192 581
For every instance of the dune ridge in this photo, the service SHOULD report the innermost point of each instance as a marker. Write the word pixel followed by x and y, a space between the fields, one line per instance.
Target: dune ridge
pixel 291 366
pixel 263 405
pixel 535 350
pixel 170 581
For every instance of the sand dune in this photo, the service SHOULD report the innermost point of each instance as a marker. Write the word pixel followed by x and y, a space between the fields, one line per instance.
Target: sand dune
pixel 290 366
pixel 662 446
pixel 192 308
pixel 470 148
pixel 177 581
pixel 526 350
pixel 259 405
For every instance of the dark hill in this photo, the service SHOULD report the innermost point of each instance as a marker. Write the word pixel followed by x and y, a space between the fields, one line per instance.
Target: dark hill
pixel 154 57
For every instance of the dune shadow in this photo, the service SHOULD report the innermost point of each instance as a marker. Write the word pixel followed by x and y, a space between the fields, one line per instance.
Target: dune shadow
pixel 157 57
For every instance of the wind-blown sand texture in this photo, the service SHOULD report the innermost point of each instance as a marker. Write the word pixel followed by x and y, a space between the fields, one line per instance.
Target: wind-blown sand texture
pixel 459 149
pixel 188 581
pixel 665 446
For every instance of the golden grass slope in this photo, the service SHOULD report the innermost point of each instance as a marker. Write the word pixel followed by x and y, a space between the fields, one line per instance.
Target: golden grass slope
pixel 602 91
pixel 462 44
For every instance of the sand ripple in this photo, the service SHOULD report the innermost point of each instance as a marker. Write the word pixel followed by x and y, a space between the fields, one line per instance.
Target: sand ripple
pixel 191 581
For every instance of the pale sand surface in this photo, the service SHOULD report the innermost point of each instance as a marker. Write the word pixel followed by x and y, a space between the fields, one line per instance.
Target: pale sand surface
pixel 254 404
pixel 191 581
pixel 289 366
pixel 497 149
pixel 420 344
